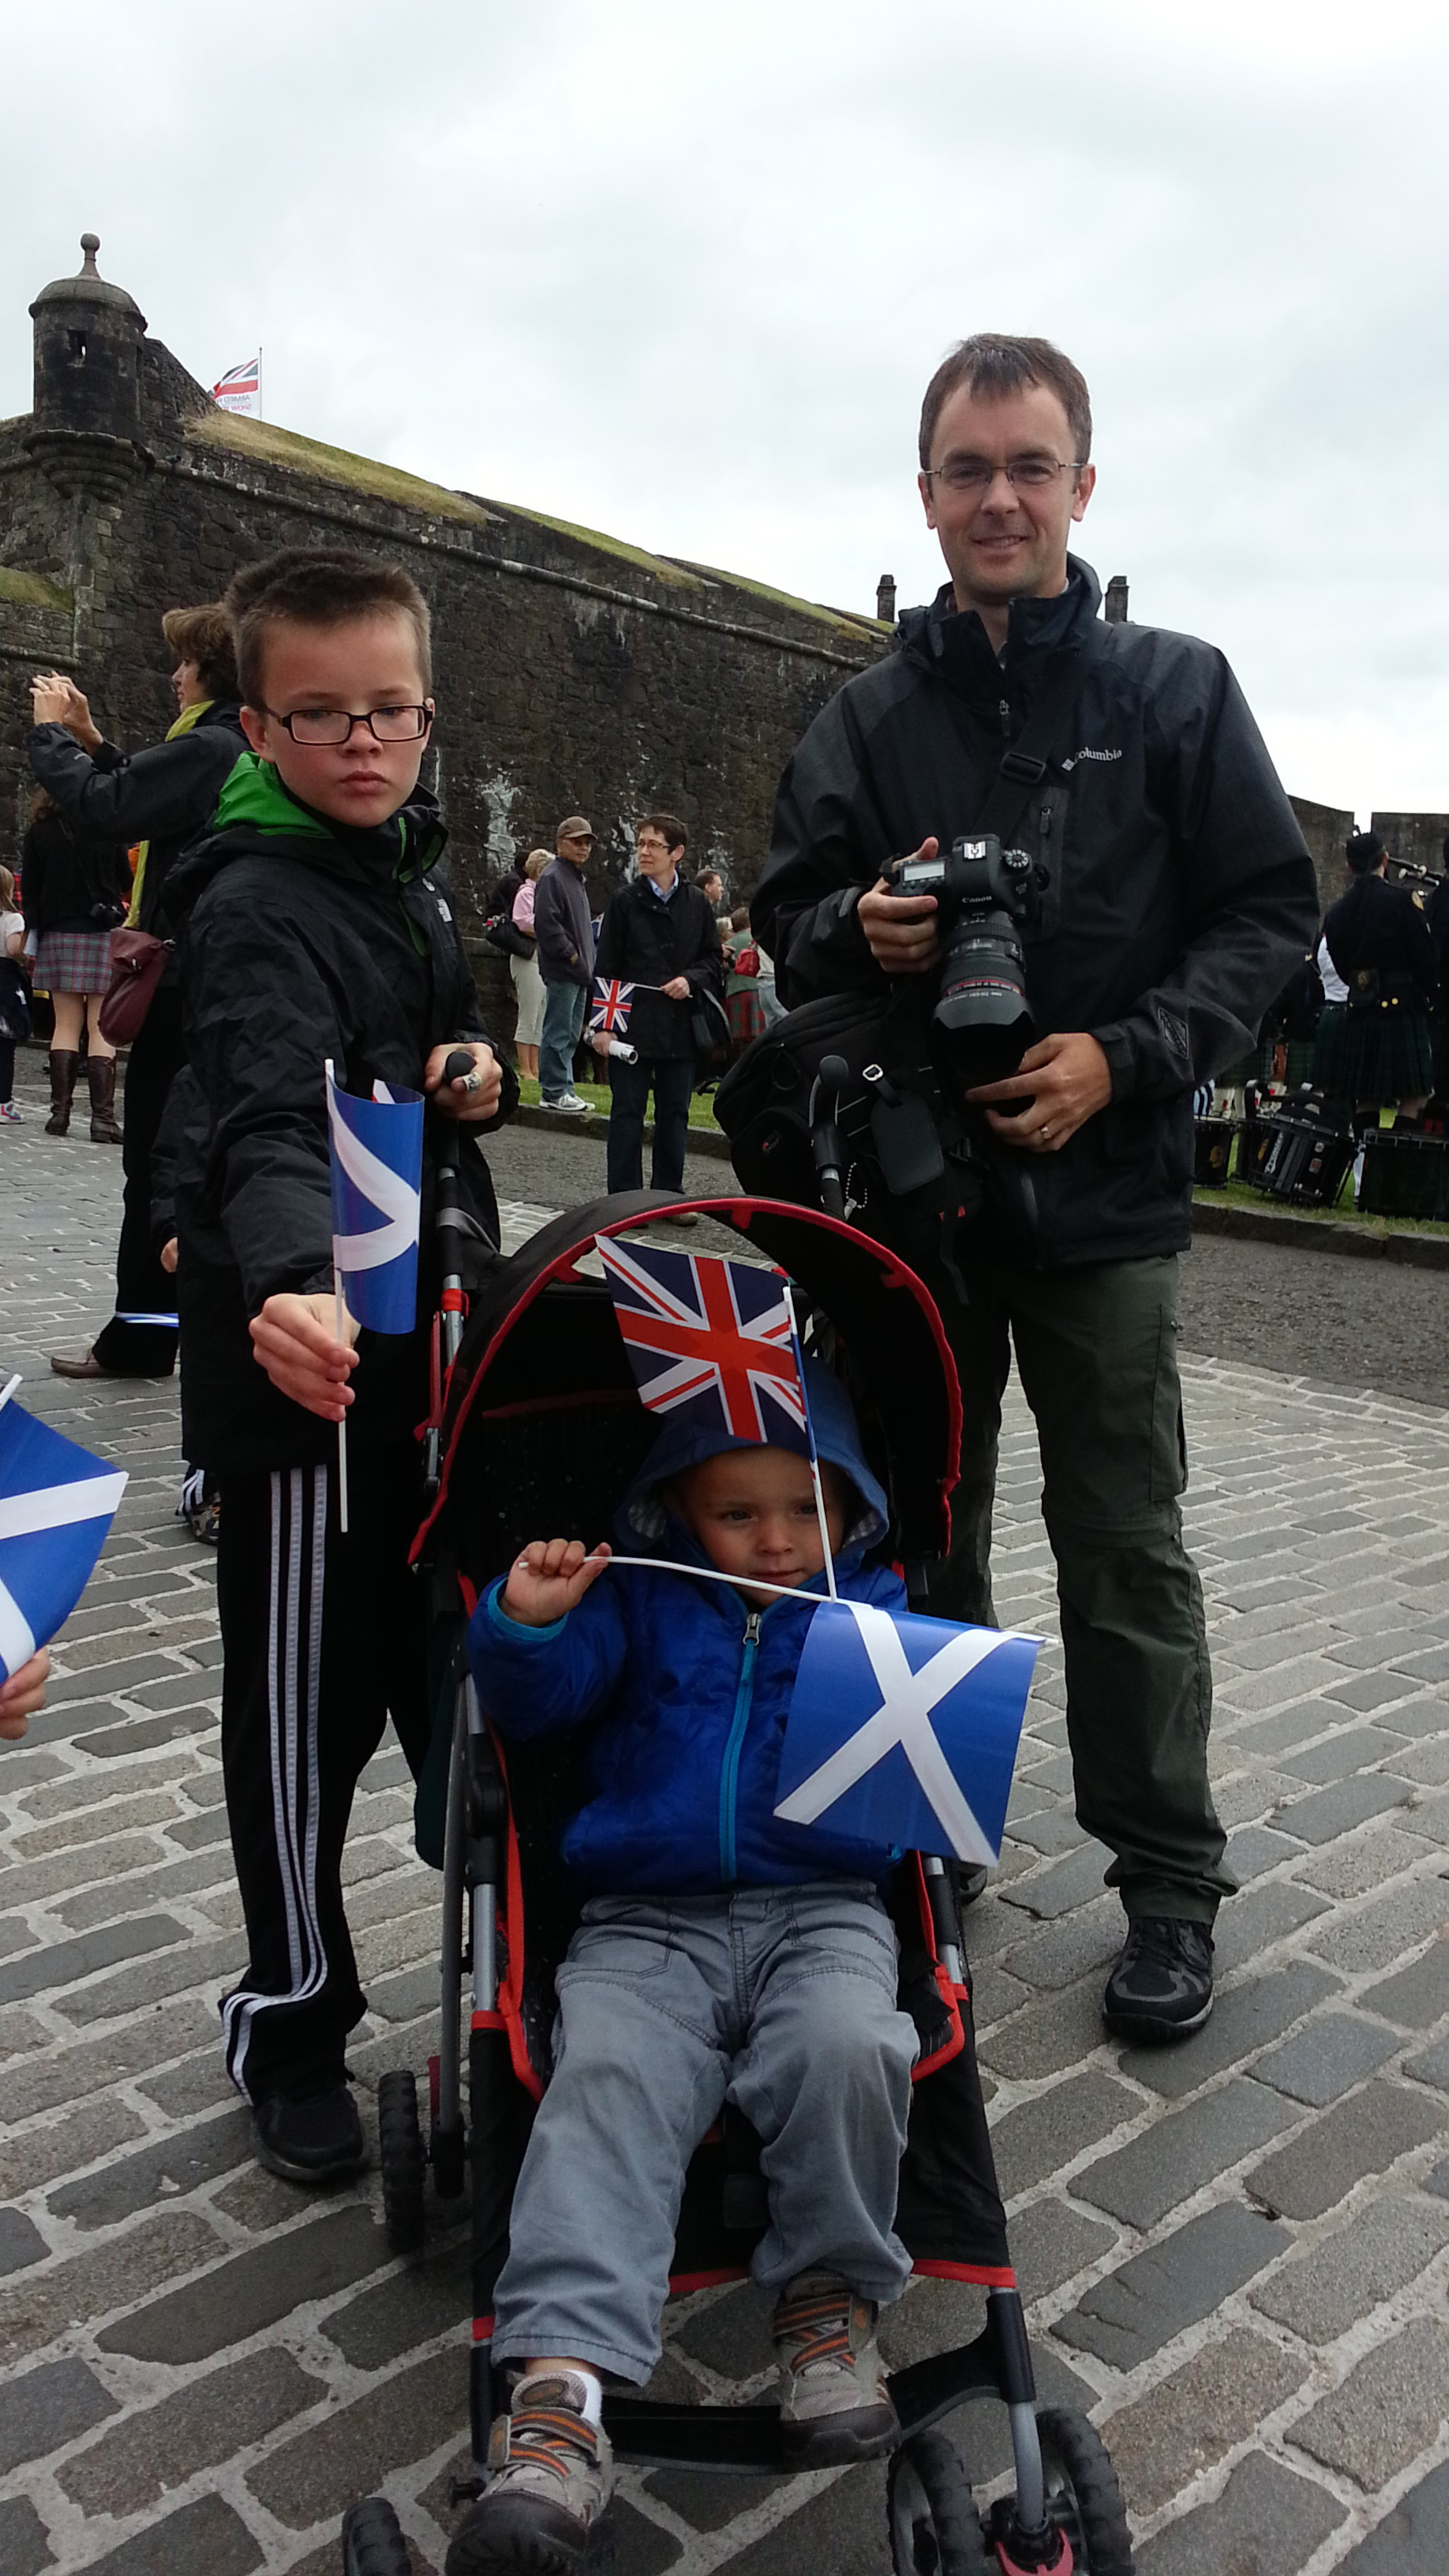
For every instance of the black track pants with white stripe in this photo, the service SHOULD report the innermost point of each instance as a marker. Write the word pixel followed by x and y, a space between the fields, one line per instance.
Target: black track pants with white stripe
pixel 322 1636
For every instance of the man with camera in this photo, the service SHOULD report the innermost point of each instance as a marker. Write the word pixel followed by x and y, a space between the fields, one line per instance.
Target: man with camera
pixel 1049 863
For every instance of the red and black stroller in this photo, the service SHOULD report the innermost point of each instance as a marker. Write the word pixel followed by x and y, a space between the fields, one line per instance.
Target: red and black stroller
pixel 540 1427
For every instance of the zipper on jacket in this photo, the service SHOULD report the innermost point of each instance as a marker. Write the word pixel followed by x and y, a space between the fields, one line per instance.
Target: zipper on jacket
pixel 729 1770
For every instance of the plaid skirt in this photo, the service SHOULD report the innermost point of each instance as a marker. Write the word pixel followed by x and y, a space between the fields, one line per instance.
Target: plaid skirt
pixel 1371 1059
pixel 73 961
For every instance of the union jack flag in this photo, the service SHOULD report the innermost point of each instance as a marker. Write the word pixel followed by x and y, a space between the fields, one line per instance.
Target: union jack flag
pixel 240 389
pixel 610 1012
pixel 711 1339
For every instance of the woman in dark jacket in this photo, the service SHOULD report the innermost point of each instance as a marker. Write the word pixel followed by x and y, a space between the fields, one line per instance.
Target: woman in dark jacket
pixel 74 889
pixel 1383 948
pixel 161 797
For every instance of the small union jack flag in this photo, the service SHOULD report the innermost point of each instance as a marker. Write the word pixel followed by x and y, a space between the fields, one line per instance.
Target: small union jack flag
pixel 610 1013
pixel 711 1339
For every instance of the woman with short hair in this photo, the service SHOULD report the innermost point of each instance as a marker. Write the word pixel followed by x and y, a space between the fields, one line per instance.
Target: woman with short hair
pixel 528 984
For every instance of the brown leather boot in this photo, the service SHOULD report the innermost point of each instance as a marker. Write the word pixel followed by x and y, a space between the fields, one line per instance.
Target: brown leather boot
pixel 64 1064
pixel 101 1075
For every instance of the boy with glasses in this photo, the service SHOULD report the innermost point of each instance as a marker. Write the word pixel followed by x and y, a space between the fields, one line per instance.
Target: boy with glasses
pixel 313 925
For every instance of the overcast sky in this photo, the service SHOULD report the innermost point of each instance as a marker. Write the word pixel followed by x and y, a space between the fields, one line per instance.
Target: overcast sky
pixel 681 273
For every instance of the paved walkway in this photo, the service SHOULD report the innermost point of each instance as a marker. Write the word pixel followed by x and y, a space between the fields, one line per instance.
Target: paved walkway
pixel 1235 2255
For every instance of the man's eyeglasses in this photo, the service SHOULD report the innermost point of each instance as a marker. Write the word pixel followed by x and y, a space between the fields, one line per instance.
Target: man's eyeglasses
pixel 321 727
pixel 1023 473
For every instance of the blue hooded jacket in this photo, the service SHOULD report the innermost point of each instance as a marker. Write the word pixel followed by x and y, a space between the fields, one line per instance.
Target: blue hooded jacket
pixel 690 1687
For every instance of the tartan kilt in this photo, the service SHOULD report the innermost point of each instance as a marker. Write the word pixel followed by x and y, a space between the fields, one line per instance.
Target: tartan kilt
pixel 1393 1054
pixel 746 1014
pixel 73 961
pixel 1335 1055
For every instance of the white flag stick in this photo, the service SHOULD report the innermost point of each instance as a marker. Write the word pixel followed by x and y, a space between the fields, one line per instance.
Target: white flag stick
pixel 340 1315
pixel 708 1574
pixel 814 1461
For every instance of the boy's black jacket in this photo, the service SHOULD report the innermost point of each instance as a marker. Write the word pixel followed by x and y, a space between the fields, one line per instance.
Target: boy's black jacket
pixel 299 941
pixel 647 941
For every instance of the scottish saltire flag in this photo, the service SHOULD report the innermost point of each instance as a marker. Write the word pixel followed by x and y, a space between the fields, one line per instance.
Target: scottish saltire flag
pixel 56 1504
pixel 377 1173
pixel 904 1731
pixel 610 1010
pixel 711 1339
pixel 240 389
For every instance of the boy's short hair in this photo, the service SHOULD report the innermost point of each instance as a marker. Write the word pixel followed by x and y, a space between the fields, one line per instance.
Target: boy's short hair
pixel 668 825
pixel 318 586
pixel 203 636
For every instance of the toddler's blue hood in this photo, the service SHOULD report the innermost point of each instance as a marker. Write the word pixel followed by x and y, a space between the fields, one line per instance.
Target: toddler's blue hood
pixel 682 1444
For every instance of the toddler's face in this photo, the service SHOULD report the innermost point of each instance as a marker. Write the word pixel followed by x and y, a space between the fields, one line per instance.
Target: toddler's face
pixel 753 1513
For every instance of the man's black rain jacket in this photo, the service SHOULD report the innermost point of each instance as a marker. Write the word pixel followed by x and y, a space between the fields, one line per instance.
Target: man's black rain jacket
pixel 1181 895
pixel 302 942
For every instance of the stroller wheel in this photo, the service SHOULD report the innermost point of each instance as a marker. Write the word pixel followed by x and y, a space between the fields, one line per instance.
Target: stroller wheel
pixel 403 2159
pixel 372 2540
pixel 1083 2497
pixel 935 2529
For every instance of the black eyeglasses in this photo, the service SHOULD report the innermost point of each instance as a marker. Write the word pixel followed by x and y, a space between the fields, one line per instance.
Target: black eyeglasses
pixel 322 727
pixel 1023 473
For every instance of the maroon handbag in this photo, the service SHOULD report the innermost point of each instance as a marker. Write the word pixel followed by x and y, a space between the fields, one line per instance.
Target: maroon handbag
pixel 138 962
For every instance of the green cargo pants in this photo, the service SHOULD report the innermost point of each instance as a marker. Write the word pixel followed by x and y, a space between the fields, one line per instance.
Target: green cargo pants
pixel 1096 1349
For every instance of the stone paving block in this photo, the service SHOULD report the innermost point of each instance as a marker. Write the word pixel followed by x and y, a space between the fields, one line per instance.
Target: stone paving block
pixel 195 1689
pixel 842 2530
pixel 1410 2540
pixel 21 2242
pixel 1417 1996
pixel 59 1964
pixel 1045 2135
pixel 709 2502
pixel 158 2448
pixel 1328 2287
pixel 1338 1756
pixel 1051 1831
pixel 24 2548
pixel 1321 2061
pixel 41 2410
pixel 1250 1924
pixel 403 1997
pixel 93 1864
pixel 1132 2312
pixel 120 1815
pixel 138 1735
pixel 255 2289
pixel 1432 1665
pixel 1049 1893
pixel 1045 2036
pixel 38 2305
pixel 1326 1813
pixel 1427 1763
pixel 197 1833
pixel 1268 2521
pixel 409 2308
pixel 731 2335
pixel 1364 1861
pixel 178 2164
pixel 72 2073
pixel 201 1963
pixel 1255 1848
pixel 1177 2155
pixel 1383 1930
pixel 1243 1797
pixel 36 2156
pixel 104 1681
pixel 1245 2017
pixel 324 2470
pixel 1057 1954
pixel 199 2083
pixel 1388 2410
pixel 208 2538
pixel 1363 2135
pixel 1050 2241
pixel 1165 2439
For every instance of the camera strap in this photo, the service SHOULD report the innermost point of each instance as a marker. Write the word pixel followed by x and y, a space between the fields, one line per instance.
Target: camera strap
pixel 1042 739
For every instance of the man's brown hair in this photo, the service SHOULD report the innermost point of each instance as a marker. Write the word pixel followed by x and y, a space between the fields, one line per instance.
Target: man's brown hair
pixel 203 636
pixel 669 825
pixel 318 586
pixel 992 364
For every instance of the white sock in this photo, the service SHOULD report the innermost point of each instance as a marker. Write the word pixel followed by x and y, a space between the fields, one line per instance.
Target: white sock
pixel 585 2384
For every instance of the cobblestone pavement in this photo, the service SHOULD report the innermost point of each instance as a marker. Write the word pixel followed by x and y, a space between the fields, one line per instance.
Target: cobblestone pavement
pixel 1235 2254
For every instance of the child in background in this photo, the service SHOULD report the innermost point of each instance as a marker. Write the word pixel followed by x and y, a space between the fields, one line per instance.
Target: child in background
pixel 721 1955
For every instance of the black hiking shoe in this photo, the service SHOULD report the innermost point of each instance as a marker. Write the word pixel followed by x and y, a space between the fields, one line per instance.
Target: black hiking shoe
pixel 550 2477
pixel 315 2138
pixel 1162 1985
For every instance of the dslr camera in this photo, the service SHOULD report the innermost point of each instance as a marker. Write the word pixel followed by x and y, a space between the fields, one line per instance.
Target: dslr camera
pixel 982 1025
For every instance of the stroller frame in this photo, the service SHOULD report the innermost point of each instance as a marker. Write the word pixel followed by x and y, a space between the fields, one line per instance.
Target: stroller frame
pixel 1065 2512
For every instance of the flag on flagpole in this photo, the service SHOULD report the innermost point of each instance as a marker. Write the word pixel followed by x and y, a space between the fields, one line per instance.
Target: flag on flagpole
pixel 377 1172
pixel 240 389
pixel 904 1731
pixel 711 1339
pixel 610 1011
pixel 56 1504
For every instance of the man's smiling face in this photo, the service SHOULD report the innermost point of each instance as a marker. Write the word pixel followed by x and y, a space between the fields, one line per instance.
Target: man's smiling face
pixel 1002 541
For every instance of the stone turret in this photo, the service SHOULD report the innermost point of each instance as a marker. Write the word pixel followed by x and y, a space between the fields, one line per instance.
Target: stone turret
pixel 89 335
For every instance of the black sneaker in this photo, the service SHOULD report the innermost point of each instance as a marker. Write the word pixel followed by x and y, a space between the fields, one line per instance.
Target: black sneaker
pixel 1162 1985
pixel 316 2137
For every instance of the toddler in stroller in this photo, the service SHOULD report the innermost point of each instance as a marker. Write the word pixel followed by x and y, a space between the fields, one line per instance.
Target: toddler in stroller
pixel 721 1953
